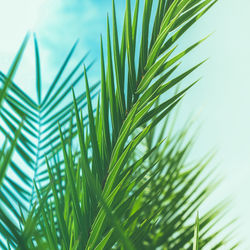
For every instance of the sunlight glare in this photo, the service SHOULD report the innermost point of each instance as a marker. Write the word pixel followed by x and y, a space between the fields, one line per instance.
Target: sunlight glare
pixel 17 18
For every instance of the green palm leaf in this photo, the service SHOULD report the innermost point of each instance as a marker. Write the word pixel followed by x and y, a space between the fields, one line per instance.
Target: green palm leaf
pixel 121 185
pixel 39 134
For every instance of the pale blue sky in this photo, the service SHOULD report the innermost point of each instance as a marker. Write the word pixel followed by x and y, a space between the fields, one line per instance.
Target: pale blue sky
pixel 221 98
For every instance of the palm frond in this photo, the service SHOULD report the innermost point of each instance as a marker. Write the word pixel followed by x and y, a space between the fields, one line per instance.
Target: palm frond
pixel 120 184
pixel 39 134
pixel 153 194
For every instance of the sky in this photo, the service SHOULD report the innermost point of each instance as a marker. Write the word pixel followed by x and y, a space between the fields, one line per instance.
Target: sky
pixel 221 99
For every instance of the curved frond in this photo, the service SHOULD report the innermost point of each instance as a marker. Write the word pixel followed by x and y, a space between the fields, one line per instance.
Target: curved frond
pixel 117 178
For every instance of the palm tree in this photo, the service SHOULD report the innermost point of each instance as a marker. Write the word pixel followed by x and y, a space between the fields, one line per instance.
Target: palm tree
pixel 112 180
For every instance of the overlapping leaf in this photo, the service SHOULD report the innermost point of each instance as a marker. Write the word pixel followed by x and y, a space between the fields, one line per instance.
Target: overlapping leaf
pixel 39 134
pixel 124 187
